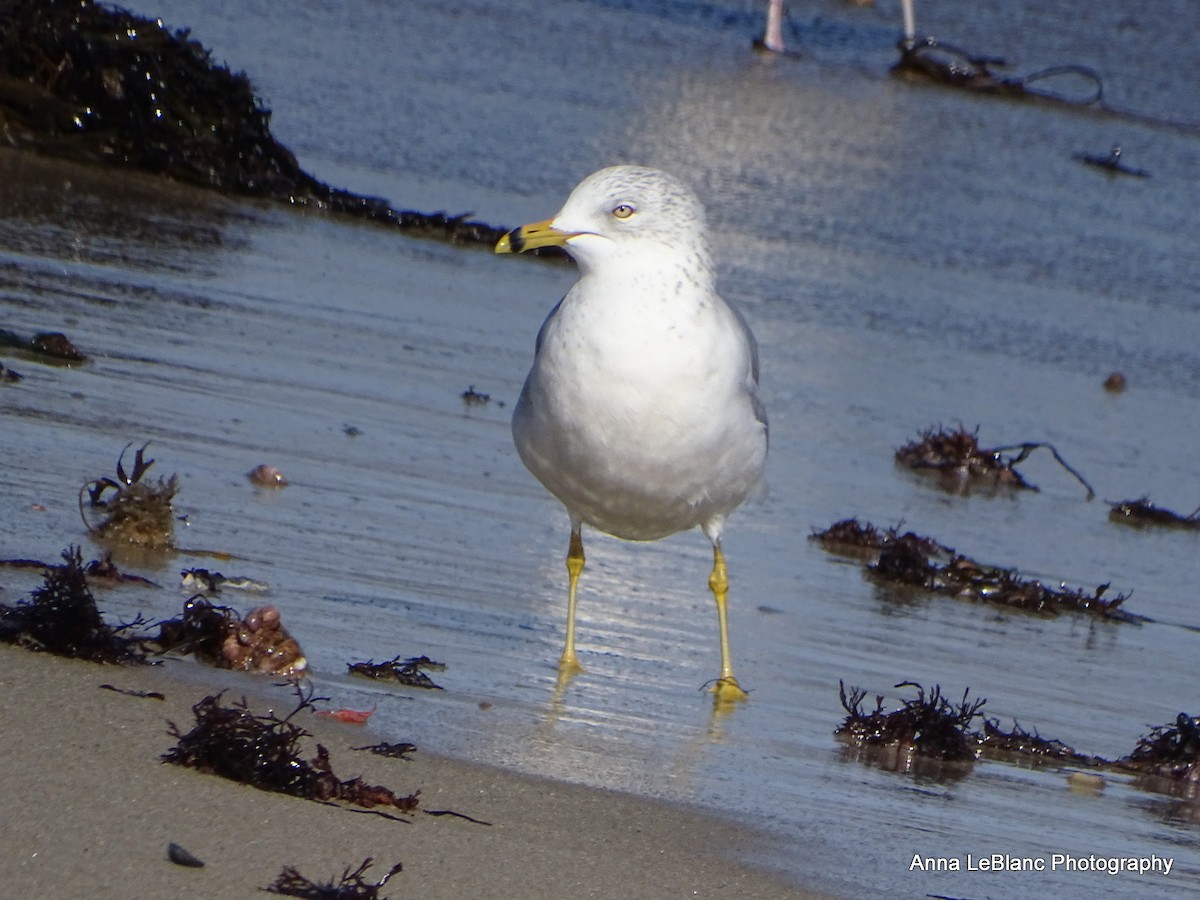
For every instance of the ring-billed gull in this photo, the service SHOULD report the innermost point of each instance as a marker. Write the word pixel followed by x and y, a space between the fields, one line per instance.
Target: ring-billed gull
pixel 641 411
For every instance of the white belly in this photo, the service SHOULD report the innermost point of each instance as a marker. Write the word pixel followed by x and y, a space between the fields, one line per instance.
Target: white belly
pixel 641 439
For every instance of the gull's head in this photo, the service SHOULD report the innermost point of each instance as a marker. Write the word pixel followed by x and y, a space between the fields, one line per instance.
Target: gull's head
pixel 622 212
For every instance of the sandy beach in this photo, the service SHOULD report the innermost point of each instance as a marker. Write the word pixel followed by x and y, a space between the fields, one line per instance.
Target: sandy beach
pixel 90 809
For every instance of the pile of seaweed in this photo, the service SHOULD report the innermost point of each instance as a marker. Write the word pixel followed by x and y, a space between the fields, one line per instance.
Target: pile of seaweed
pixel 46 346
pixel 264 751
pixel 351 886
pixel 850 537
pixel 1111 163
pixel 921 562
pixel 929 727
pixel 130 510
pixel 931 60
pixel 390 749
pixel 1017 743
pixel 98 571
pixel 962 464
pixel 219 636
pixel 1142 513
pixel 96 84
pixel 1171 753
pixel 409 672
pixel 62 617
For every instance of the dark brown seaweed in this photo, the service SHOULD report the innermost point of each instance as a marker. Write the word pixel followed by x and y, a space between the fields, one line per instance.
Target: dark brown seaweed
pixel 921 562
pixel 219 636
pixel 407 672
pixel 962 464
pixel 928 725
pixel 62 617
pixel 133 511
pixel 1143 513
pixel 264 751
pixel 351 886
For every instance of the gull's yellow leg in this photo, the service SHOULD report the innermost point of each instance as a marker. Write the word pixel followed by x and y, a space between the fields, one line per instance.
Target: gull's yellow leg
pixel 726 687
pixel 569 663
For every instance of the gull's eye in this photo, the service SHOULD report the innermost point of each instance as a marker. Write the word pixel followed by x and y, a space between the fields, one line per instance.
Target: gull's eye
pixel 624 211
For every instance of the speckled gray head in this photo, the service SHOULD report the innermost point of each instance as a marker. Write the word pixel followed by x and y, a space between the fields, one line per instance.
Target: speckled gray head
pixel 620 210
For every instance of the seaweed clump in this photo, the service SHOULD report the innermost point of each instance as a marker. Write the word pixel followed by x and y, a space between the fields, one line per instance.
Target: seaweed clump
pixel 931 60
pixel 927 726
pixel 930 727
pixel 351 886
pixel 263 751
pixel 963 577
pixel 48 346
pixel 134 511
pixel 1170 754
pixel 854 538
pixel 1143 513
pixel 409 672
pixel 1111 163
pixel 392 750
pixel 104 570
pixel 1017 742
pixel 62 617
pixel 928 730
pixel 472 397
pixel 921 562
pixel 219 636
pixel 962 464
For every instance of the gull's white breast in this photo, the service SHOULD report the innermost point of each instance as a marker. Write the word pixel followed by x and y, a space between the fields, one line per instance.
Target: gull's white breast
pixel 638 413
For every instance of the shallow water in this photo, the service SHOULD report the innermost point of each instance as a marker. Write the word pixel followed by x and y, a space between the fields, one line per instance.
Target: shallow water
pixel 907 256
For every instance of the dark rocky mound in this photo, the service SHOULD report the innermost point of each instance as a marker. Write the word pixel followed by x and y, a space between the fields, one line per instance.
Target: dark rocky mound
pixel 98 84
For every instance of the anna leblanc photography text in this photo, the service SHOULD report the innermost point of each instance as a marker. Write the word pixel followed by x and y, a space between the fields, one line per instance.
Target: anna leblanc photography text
pixel 1055 862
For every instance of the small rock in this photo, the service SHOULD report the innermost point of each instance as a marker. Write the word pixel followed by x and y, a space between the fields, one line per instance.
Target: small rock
pixel 267 476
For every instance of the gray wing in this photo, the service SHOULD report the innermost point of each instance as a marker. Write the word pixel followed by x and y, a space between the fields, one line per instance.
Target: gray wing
pixel 760 411
pixel 541 335
pixel 750 339
pixel 523 399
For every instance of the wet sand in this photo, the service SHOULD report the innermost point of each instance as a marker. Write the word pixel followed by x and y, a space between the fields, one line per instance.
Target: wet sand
pixel 97 809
